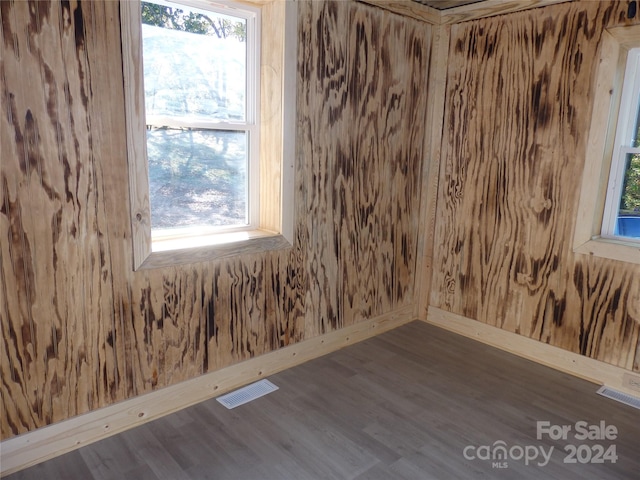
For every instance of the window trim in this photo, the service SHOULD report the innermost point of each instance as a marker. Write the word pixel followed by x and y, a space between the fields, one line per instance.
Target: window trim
pixel 277 147
pixel 615 44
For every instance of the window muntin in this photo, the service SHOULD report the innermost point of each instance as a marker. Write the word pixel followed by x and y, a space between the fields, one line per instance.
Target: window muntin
pixel 621 218
pixel 201 92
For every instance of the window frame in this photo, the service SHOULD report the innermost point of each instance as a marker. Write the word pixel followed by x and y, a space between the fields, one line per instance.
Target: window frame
pixel 165 238
pixel 273 227
pixel 607 91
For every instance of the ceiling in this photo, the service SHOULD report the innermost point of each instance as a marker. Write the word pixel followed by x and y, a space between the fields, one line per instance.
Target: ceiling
pixel 446 4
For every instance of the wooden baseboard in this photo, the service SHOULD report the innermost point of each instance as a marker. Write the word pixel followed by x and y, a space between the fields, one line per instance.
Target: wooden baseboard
pixel 34 447
pixel 45 443
pixel 578 365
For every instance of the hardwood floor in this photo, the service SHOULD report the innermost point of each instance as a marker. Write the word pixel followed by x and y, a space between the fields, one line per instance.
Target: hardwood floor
pixel 405 405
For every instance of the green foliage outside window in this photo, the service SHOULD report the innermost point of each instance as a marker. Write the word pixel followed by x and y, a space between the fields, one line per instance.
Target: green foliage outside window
pixel 630 202
pixel 177 19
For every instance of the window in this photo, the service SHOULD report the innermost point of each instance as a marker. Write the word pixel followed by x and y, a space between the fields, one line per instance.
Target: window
pixel 209 129
pixel 201 73
pixel 606 221
pixel 622 209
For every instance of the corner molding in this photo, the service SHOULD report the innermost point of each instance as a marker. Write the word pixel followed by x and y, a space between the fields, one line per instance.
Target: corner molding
pixel 449 16
pixel 491 8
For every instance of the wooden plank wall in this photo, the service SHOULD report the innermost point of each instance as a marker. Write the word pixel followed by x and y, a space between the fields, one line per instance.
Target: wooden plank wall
pixel 517 115
pixel 80 329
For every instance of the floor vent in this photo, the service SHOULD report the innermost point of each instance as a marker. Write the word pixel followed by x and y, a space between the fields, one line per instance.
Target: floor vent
pixel 246 394
pixel 620 397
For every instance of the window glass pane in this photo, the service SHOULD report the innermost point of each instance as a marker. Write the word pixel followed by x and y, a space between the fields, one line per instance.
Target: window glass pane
pixel 628 223
pixel 194 63
pixel 197 177
pixel 635 142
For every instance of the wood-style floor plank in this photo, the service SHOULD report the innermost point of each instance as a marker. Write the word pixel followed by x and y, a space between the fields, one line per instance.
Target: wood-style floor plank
pixel 403 405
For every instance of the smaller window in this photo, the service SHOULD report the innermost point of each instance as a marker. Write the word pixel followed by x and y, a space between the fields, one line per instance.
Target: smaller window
pixel 621 216
pixel 606 212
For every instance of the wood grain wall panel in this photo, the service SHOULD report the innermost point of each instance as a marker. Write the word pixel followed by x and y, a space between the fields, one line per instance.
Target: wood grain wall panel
pixel 323 65
pixel 55 227
pixel 372 107
pixel 515 133
pixel 80 329
pixel 385 151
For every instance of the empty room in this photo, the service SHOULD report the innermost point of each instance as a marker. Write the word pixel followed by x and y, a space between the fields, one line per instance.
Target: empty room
pixel 320 239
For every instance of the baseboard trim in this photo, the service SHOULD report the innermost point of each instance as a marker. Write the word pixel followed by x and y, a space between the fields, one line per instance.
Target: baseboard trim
pixel 577 365
pixel 48 442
